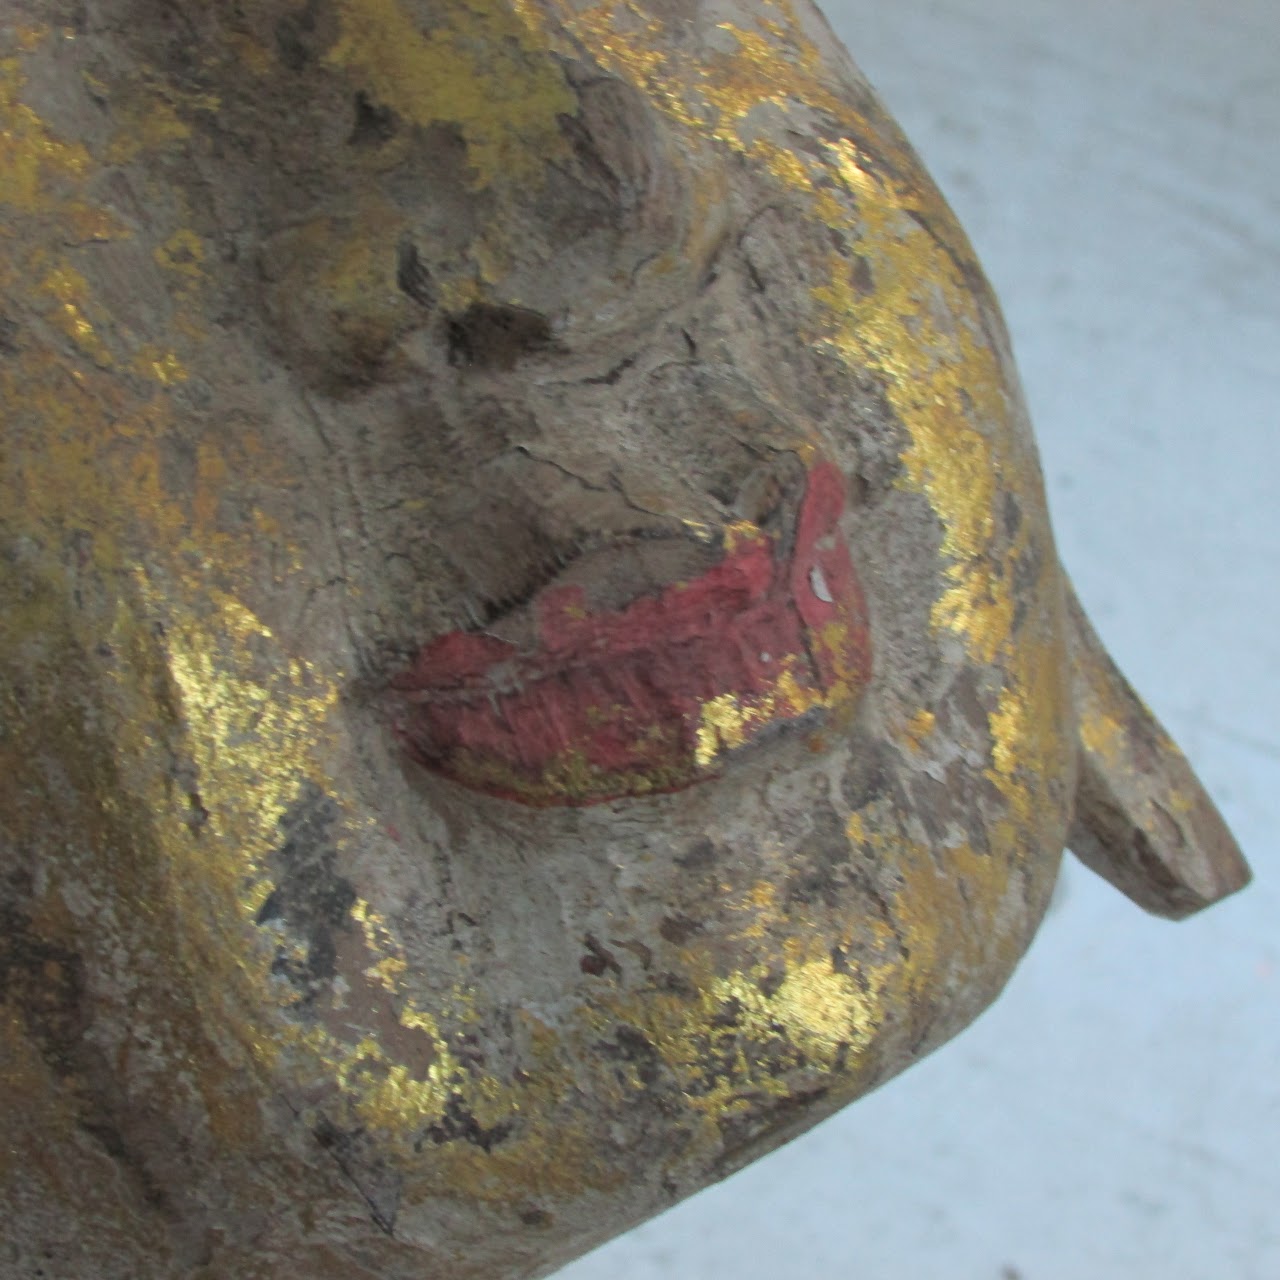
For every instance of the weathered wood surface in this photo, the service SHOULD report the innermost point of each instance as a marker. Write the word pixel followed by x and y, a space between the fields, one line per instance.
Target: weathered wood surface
pixel 534 663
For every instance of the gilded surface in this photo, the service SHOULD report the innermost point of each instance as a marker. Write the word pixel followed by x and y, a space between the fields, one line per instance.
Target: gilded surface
pixel 366 947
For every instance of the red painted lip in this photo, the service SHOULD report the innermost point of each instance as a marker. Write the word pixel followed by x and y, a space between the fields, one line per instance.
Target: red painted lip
pixel 649 697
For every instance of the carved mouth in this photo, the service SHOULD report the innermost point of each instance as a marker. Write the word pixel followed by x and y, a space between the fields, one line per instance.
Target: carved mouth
pixel 652 696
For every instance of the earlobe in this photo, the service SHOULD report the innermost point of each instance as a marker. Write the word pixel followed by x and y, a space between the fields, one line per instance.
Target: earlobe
pixel 1142 820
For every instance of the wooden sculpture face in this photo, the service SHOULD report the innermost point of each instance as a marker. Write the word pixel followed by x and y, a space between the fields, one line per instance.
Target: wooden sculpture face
pixel 537 651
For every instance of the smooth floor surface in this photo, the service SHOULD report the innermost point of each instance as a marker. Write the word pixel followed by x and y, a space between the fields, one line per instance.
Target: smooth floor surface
pixel 1116 1116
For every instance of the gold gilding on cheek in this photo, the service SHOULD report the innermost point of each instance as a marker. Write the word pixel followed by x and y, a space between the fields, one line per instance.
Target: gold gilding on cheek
pixel 920 329
pixel 32 159
pixel 191 670
pixel 254 716
pixel 622 37
pixel 256 725
pixel 74 311
pixel 1031 744
pixel 66 287
pixel 754 1034
pixel 920 728
pixel 40 174
pixel 256 722
pixel 159 365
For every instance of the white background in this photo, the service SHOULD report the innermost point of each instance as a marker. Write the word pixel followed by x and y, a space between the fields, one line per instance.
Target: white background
pixel 1116 1116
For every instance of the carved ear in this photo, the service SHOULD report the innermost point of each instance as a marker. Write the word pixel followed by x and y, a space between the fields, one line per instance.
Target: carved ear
pixel 1142 821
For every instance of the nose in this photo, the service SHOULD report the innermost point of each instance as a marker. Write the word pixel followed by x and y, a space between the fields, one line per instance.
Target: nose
pixel 597 701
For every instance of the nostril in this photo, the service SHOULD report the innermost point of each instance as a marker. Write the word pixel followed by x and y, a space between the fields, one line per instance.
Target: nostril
pixel 492 336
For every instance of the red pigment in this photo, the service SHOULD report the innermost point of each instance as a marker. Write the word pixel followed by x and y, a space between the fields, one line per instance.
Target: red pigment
pixel 609 703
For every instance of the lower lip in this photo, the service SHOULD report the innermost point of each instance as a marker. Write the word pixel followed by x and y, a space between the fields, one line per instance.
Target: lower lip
pixel 655 696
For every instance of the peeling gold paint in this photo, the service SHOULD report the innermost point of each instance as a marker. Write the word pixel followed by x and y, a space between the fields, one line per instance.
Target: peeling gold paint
pixel 747 1036
pixel 479 69
pixel 1102 734
pixel 183 253
pixel 160 366
pixel 920 728
pixel 153 126
pixel 920 329
pixel 729 721
pixel 31 156
pixel 70 291
pixel 723 726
